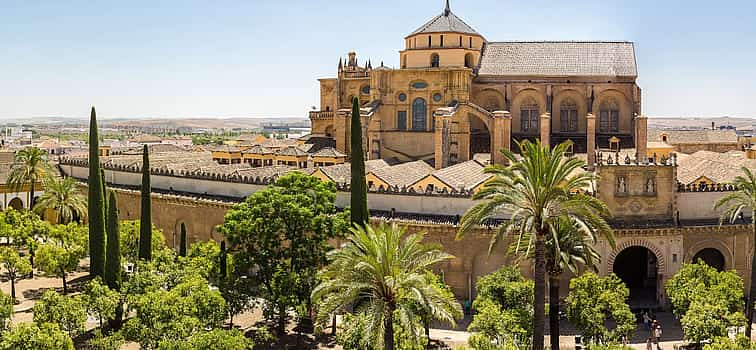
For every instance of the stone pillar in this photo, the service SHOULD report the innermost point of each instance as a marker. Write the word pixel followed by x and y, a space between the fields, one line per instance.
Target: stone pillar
pixel 590 141
pixel 441 142
pixel 641 138
pixel 501 137
pixel 545 127
pixel 341 130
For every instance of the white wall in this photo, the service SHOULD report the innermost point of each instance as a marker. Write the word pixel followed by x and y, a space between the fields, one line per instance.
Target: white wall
pixel 376 201
pixel 700 205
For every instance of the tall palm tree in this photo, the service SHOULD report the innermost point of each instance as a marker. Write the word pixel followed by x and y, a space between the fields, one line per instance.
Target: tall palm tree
pixel 569 247
pixel 30 165
pixel 531 195
pixel 62 196
pixel 381 272
pixel 735 203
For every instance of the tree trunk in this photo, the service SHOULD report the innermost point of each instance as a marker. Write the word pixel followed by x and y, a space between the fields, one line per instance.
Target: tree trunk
pixel 13 289
pixel 752 291
pixel 426 323
pixel 388 334
pixel 65 288
pixel 281 321
pixel 333 324
pixel 31 195
pixel 554 311
pixel 540 291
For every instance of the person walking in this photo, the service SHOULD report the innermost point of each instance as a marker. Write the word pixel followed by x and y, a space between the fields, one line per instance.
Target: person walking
pixel 658 335
pixel 649 344
pixel 646 320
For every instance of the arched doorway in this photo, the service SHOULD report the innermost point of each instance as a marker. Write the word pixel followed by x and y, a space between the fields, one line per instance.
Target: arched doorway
pixel 16 203
pixel 638 267
pixel 480 137
pixel 711 257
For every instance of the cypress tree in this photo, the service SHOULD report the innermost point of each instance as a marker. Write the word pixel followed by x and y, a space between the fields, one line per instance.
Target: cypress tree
pixel 96 202
pixel 182 240
pixel 105 197
pixel 113 256
pixel 358 206
pixel 222 257
pixel 145 221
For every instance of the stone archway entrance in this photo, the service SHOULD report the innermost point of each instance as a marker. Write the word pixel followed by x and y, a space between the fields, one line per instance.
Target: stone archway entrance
pixel 16 203
pixel 711 257
pixel 638 267
pixel 480 137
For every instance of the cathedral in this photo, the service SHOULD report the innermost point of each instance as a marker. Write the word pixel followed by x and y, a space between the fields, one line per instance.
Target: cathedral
pixel 458 94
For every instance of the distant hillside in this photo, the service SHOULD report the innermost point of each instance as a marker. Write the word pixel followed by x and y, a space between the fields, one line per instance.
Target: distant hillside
pixel 170 123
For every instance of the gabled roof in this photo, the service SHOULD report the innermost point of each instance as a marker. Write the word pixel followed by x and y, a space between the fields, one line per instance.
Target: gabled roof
pixel 328 152
pixel 447 21
pixel 342 173
pixel 463 176
pixel 559 58
pixel 292 151
pixel 403 174
pixel 257 149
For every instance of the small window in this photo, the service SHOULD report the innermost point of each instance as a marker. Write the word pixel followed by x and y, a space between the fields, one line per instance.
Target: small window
pixel 401 120
pixel 471 42
pixel 568 116
pixel 435 60
pixel 460 41
pixel 365 90
pixel 420 85
pixel 402 97
pixel 529 116
pixel 429 41
pixel 442 41
pixel 437 97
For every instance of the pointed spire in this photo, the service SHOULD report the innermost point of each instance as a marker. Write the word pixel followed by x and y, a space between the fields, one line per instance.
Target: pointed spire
pixel 340 64
pixel 381 63
pixel 369 65
pixel 447 10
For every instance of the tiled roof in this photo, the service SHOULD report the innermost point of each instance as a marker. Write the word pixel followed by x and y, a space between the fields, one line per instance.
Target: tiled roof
pixel 226 148
pixel 693 136
pixel 258 149
pixel 269 171
pixel 342 173
pixel 559 58
pixel 146 138
pixel 717 167
pixel 328 152
pixel 447 21
pixel 404 174
pixel 463 176
pixel 292 151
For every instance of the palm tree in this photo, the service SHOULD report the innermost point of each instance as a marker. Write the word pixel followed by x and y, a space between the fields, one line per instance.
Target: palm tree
pixel 569 247
pixel 62 196
pixel 530 195
pixel 382 273
pixel 735 203
pixel 30 166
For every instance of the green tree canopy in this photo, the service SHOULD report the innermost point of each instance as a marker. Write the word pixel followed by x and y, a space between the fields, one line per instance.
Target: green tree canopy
pixel 593 300
pixel 299 211
pixel 6 311
pixel 504 309
pixel 706 300
pixel 130 239
pixel 66 311
pixel 61 253
pixel 215 339
pixel 15 267
pixel 30 336
pixel 101 302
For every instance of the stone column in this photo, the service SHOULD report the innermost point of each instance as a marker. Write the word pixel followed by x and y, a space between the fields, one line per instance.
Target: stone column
pixel 501 138
pixel 441 142
pixel 545 127
pixel 341 130
pixel 641 138
pixel 590 141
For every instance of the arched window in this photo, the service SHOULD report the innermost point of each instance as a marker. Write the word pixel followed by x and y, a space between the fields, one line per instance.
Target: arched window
pixel 435 60
pixel 568 116
pixel 609 115
pixel 529 116
pixel 469 60
pixel 419 114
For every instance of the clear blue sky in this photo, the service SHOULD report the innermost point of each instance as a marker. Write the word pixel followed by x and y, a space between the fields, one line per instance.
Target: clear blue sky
pixel 262 58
